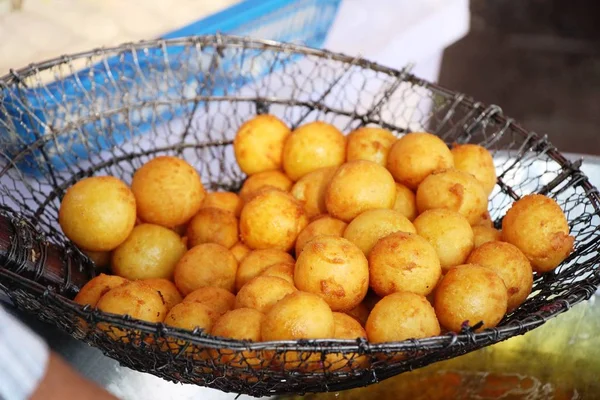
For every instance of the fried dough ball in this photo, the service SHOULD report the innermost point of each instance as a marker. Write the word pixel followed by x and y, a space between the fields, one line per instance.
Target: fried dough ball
pixel 484 220
pixel 358 186
pixel 415 156
pixel 91 292
pixel 401 316
pixel 477 161
pixel 207 264
pixel 325 225
pixel 449 233
pixel 483 234
pixel 240 324
pixel 370 226
pixel 310 190
pixel 346 327
pixel 227 201
pixel 166 289
pixel 135 299
pixel 217 300
pixel 312 146
pixel 213 225
pixel 272 179
pixel 283 270
pixel 454 190
pixel 239 251
pixel 257 261
pixel 258 144
pixel 262 292
pixel 168 191
pixel 151 251
pixel 511 265
pixel 189 316
pixel 539 228
pixel 97 213
pixel 403 262
pixel 406 202
pixel 469 294
pixel 272 220
pixel 360 313
pixel 335 269
pixel 370 144
pixel 100 258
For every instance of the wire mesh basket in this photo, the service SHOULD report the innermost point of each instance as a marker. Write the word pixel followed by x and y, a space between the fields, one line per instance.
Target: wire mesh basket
pixel 108 111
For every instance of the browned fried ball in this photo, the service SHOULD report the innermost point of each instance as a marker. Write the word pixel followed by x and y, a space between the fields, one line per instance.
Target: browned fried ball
pixel 166 289
pixel 98 213
pixel 469 294
pixel 267 179
pixel 511 265
pixel 370 144
pixel 257 261
pixel 358 186
pixel 325 225
pixel 401 316
pixel 283 270
pixel 454 190
pixel 477 161
pixel 406 202
pixel 240 324
pixel 346 327
pixel 312 146
pixel 189 316
pixel 415 156
pixel 310 190
pixel 262 292
pixel 403 262
pixel 207 264
pixel 483 234
pixel 217 300
pixel 360 313
pixel 213 225
pixel 335 269
pixel 100 258
pixel 239 251
pixel 168 191
pixel 227 201
pixel 91 292
pixel 539 228
pixel 258 144
pixel 135 299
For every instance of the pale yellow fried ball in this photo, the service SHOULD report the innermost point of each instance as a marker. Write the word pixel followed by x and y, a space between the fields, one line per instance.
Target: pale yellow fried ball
pixel 258 144
pixel 312 146
pixel 272 220
pixel 470 294
pixel 415 156
pixel 358 186
pixel 166 289
pixel 283 270
pixel 135 299
pixel 484 220
pixel 539 228
pixel 310 190
pixel 454 190
pixel 477 161
pixel 91 292
pixel 227 201
pixel 401 316
pixel 510 264
pixel 257 261
pixel 335 269
pixel 483 234
pixel 217 300
pixel 449 233
pixel 403 262
pixel 213 225
pixel 241 324
pixel 97 213
pixel 267 179
pixel 207 264
pixel 370 144
pixel 168 191
pixel 239 251
pixel 151 251
pixel 370 226
pixel 406 202
pixel 346 327
pixel 360 313
pixel 325 225
pixel 189 316
pixel 262 292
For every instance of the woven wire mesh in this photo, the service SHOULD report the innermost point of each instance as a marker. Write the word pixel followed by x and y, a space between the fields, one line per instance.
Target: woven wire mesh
pixel 108 111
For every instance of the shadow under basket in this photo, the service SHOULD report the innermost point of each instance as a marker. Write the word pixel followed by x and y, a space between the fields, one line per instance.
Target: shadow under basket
pixel 107 111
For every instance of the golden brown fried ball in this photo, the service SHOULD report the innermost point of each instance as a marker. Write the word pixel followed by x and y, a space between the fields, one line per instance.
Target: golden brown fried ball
pixel 539 228
pixel 470 294
pixel 168 191
pixel 283 270
pixel 454 190
pixel 401 316
pixel 335 269
pixel 227 201
pixel 267 179
pixel 272 220
pixel 370 144
pixel 403 262
pixel 207 264
pixel 213 225
pixel 370 226
pixel 312 146
pixel 310 190
pixel 100 258
pixel 406 202
pixel 511 265
pixel 240 324
pixel 477 161
pixel 262 292
pixel 346 327
pixel 483 234
pixel 239 251
pixel 98 213
pixel 360 313
pixel 257 261
pixel 91 292
pixel 135 299
pixel 167 290
pixel 415 156
pixel 151 251
pixel 484 220
pixel 449 233
pixel 217 300
pixel 325 225
pixel 358 186
pixel 189 316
